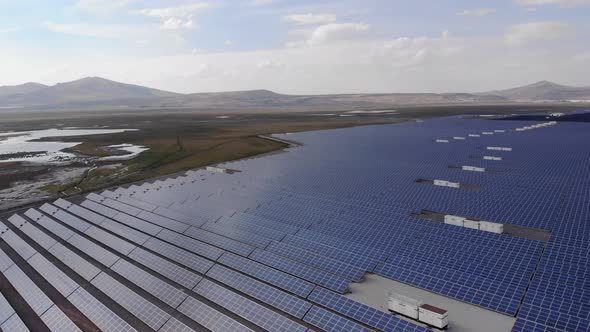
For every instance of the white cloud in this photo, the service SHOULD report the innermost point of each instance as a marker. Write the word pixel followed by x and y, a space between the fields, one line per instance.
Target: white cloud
pixel 9 30
pixel 173 23
pixel 477 12
pixel 310 19
pixel 332 32
pixel 111 31
pixel 261 2
pixel 534 31
pixel 564 3
pixel 419 64
pixel 178 11
pixel 102 6
pixel 175 18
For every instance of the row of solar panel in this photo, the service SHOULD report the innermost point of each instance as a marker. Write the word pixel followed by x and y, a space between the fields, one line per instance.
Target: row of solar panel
pixel 215 271
pixel 493 283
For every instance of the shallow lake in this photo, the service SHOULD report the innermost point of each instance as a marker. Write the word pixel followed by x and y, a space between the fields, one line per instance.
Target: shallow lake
pixel 22 146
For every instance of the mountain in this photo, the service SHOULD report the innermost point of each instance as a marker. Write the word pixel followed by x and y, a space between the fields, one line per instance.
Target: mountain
pixel 544 91
pixel 100 93
pixel 9 90
pixel 86 90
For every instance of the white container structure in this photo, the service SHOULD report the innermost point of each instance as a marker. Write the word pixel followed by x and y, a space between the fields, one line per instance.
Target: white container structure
pixel 434 316
pixel 453 184
pixel 216 169
pixel 444 183
pixel 454 220
pixel 491 158
pixel 403 305
pixel 492 227
pixel 473 224
pixel 473 168
pixel 442 141
pixel 487 132
pixel 499 148
pixel 499 130
pixel 474 135
pixel 459 138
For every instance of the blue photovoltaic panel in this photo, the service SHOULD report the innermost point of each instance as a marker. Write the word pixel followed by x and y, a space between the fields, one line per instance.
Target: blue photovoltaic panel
pixel 259 290
pixel 315 215
pixel 274 277
pixel 222 242
pixel 257 314
pixel 366 263
pixel 190 244
pixel 331 322
pixel 370 316
pixel 308 273
pixel 236 234
pixel 323 263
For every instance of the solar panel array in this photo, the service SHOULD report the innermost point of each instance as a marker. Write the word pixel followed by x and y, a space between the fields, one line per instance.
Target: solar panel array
pixel 276 245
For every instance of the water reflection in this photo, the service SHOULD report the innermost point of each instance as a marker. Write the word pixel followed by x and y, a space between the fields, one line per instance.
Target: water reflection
pixel 22 146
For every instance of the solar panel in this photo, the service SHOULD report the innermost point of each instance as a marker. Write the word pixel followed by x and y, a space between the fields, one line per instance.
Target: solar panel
pixel 56 320
pixel 38 236
pixel 32 294
pixel 174 325
pixel 324 263
pixel 146 311
pixel 222 242
pixel 5 261
pixel 274 277
pixel 119 245
pixel 179 255
pixel 20 246
pixel 170 270
pixel 97 312
pixel 329 321
pixel 92 217
pixel 188 243
pixel 56 228
pixel 323 218
pixel 327 280
pixel 370 316
pixel 53 275
pixel 209 317
pixel 14 323
pixel 152 284
pixel 5 309
pixel 74 261
pixel 98 208
pixel 362 262
pixel 257 314
pixel 259 290
pixel 239 235
pixel 93 250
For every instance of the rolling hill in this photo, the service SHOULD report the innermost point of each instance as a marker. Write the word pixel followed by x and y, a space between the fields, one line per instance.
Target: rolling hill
pixel 96 93
pixel 544 91
pixel 86 90
pixel 9 90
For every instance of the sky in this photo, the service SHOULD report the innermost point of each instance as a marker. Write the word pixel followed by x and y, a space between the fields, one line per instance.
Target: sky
pixel 298 47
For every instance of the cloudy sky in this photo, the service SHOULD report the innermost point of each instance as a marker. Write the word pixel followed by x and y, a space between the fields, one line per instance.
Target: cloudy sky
pixel 303 46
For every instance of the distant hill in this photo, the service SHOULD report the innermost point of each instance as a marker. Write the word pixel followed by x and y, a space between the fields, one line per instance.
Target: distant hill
pixel 86 90
pixel 100 93
pixel 544 91
pixel 9 90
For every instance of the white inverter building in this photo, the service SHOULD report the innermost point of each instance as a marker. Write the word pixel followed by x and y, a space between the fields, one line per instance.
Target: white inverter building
pixel 403 305
pixel 434 316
